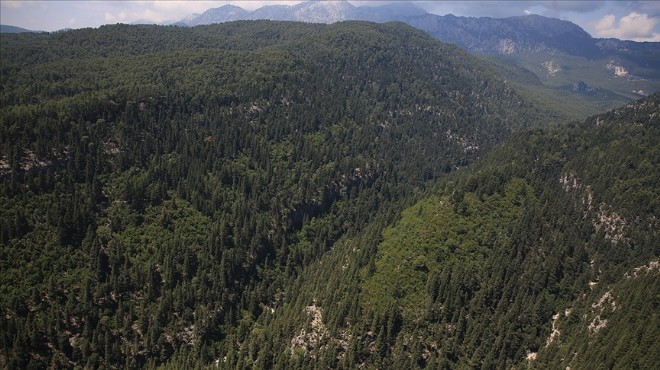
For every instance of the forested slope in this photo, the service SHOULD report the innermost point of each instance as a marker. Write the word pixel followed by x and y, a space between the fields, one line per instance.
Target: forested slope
pixel 544 254
pixel 164 190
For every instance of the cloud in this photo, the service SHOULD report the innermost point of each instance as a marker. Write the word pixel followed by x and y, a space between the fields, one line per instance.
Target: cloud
pixel 634 26
pixel 149 11
pixel 647 7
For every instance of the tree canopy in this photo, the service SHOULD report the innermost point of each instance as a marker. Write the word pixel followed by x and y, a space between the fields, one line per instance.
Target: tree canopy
pixel 238 194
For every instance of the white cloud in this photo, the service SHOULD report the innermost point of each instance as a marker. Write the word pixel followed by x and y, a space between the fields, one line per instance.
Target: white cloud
pixel 634 26
pixel 151 15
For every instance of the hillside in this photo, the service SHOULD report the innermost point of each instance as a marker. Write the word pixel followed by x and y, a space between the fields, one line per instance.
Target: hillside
pixel 164 189
pixel 532 249
pixel 576 72
pixel 5 28
pixel 542 255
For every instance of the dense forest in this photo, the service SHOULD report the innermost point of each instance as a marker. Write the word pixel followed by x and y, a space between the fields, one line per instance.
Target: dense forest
pixel 264 194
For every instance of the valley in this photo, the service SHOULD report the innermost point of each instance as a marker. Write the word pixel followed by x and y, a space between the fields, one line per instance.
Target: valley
pixel 277 194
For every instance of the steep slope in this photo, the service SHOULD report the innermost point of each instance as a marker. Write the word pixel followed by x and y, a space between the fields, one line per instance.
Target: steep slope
pixel 493 36
pixel 309 11
pixel 530 33
pixel 222 14
pixel 577 71
pixel 163 187
pixel 544 255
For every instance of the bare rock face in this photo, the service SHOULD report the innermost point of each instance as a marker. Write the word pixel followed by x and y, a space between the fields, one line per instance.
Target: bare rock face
pixel 308 339
pixel 507 46
pixel 579 86
pixel 552 67
pixel 618 69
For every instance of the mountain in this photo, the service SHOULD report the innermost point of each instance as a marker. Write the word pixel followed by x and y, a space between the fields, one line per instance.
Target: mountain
pixel 541 255
pixel 559 53
pixel 545 251
pixel 264 194
pixel 142 21
pixel 222 14
pixel 165 189
pixel 308 11
pixel 530 33
pixel 4 28
pixel 394 11
pixel 513 35
pixel 582 285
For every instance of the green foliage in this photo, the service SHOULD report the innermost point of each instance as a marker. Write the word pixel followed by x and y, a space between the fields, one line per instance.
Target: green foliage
pixel 602 90
pixel 164 189
pixel 233 195
pixel 461 230
pixel 484 264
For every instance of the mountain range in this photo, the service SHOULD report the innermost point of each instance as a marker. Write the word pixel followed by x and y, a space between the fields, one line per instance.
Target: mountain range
pixel 481 35
pixel 309 11
pixel 12 29
pixel 555 60
pixel 559 53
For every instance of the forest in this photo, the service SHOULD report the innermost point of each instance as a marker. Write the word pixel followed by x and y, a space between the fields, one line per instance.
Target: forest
pixel 261 194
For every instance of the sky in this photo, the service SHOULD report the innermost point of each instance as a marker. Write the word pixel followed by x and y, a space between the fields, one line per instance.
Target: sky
pixel 626 20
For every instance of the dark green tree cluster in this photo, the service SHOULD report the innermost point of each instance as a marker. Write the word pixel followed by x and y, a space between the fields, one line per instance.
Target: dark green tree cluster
pixel 541 255
pixel 285 195
pixel 165 190
pixel 555 229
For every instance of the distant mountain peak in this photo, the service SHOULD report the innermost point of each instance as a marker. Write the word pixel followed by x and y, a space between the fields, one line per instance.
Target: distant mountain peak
pixel 222 14
pixel 323 11
pixel 314 11
pixel 549 25
pixel 483 35
pixel 5 28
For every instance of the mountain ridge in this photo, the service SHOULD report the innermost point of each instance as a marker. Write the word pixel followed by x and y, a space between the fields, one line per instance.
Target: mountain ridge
pixel 5 28
pixel 268 194
pixel 561 54
pixel 164 187
pixel 334 11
